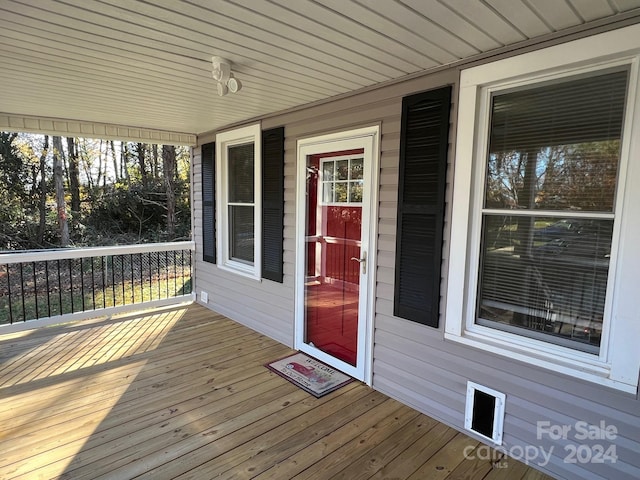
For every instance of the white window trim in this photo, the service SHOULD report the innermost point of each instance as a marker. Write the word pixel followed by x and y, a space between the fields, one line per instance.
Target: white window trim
pixel 618 363
pixel 224 140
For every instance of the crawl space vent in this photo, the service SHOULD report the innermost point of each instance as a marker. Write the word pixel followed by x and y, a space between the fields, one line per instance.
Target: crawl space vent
pixel 484 412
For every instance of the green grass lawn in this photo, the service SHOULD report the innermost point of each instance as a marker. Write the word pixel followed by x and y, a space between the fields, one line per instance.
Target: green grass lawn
pixel 28 307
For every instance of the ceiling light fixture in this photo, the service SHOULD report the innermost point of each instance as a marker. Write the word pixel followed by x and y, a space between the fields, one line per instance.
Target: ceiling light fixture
pixel 222 74
pixel 234 84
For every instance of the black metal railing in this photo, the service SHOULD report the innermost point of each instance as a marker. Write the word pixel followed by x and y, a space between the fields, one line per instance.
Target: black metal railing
pixel 42 284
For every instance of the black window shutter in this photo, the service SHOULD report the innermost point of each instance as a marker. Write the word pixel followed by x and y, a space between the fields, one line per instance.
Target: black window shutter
pixel 423 162
pixel 209 202
pixel 272 203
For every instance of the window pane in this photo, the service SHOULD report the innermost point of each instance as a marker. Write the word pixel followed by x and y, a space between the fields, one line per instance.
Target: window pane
pixel 241 233
pixel 356 169
pixel 355 192
pixel 556 146
pixel 342 169
pixel 241 173
pixel 545 278
pixel 327 192
pixel 327 170
pixel 341 192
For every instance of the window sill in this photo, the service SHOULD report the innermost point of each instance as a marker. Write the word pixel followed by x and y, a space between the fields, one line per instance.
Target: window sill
pixel 241 270
pixel 557 359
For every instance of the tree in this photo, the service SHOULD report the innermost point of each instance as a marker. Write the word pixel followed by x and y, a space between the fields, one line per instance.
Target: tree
pixel 141 149
pixel 10 163
pixel 584 176
pixel 58 176
pixel 74 177
pixel 100 169
pixel 38 170
pixel 124 161
pixel 154 162
pixel 14 196
pixel 42 200
pixel 169 170
pixel 116 172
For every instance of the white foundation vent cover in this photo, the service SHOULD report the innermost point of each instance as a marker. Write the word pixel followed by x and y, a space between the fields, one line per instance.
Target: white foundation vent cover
pixel 484 412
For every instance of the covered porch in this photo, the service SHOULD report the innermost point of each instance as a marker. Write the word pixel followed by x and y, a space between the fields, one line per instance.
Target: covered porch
pixel 182 392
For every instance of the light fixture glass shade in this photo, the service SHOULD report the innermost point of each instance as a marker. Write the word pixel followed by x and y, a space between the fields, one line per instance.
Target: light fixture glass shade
pixel 234 84
pixel 222 89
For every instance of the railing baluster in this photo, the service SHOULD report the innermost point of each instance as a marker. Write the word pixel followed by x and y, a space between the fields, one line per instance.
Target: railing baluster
pixel 190 272
pixel 82 283
pixel 9 292
pixel 175 274
pixel 150 273
pixel 166 271
pixel 46 273
pixel 141 276
pixel 113 278
pixel 182 264
pixel 124 302
pixel 103 265
pixel 59 287
pixel 35 288
pixel 71 283
pixel 133 293
pixel 158 271
pixel 24 313
pixel 93 284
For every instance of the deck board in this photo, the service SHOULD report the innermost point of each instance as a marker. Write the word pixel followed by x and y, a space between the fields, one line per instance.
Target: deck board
pixel 183 393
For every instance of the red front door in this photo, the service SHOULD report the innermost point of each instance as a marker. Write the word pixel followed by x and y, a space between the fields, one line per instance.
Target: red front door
pixel 334 187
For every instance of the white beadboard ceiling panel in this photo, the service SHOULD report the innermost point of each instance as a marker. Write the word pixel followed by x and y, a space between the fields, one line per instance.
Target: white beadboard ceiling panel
pixel 127 67
pixel 558 14
pixel 523 18
pixel 592 9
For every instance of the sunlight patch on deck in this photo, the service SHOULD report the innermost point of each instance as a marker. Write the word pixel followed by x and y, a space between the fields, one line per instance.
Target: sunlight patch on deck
pixel 83 345
pixel 28 439
pixel 47 373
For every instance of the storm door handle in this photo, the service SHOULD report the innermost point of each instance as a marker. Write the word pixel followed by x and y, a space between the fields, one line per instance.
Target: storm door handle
pixel 362 261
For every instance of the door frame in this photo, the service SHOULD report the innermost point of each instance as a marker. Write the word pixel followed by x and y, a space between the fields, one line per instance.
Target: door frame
pixel 369 139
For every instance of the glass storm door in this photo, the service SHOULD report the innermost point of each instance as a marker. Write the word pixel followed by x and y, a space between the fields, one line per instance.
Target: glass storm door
pixel 332 313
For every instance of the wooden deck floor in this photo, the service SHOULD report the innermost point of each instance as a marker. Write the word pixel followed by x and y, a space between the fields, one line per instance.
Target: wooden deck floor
pixel 183 393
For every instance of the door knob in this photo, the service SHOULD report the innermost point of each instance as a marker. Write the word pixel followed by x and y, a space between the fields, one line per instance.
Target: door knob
pixel 362 261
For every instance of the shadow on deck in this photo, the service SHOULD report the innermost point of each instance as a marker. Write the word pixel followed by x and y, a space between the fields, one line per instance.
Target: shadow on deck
pixel 183 393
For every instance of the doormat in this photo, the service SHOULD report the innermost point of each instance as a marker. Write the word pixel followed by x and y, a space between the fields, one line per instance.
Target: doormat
pixel 309 374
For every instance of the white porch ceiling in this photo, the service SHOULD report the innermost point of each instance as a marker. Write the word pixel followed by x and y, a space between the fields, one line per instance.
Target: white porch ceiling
pixel 147 64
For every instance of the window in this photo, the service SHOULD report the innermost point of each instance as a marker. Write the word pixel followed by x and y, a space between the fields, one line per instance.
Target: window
pixel 342 180
pixel 547 220
pixel 236 244
pixel 540 212
pixel 239 190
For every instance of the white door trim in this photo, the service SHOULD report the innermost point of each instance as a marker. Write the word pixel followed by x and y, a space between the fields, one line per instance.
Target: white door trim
pixel 369 139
